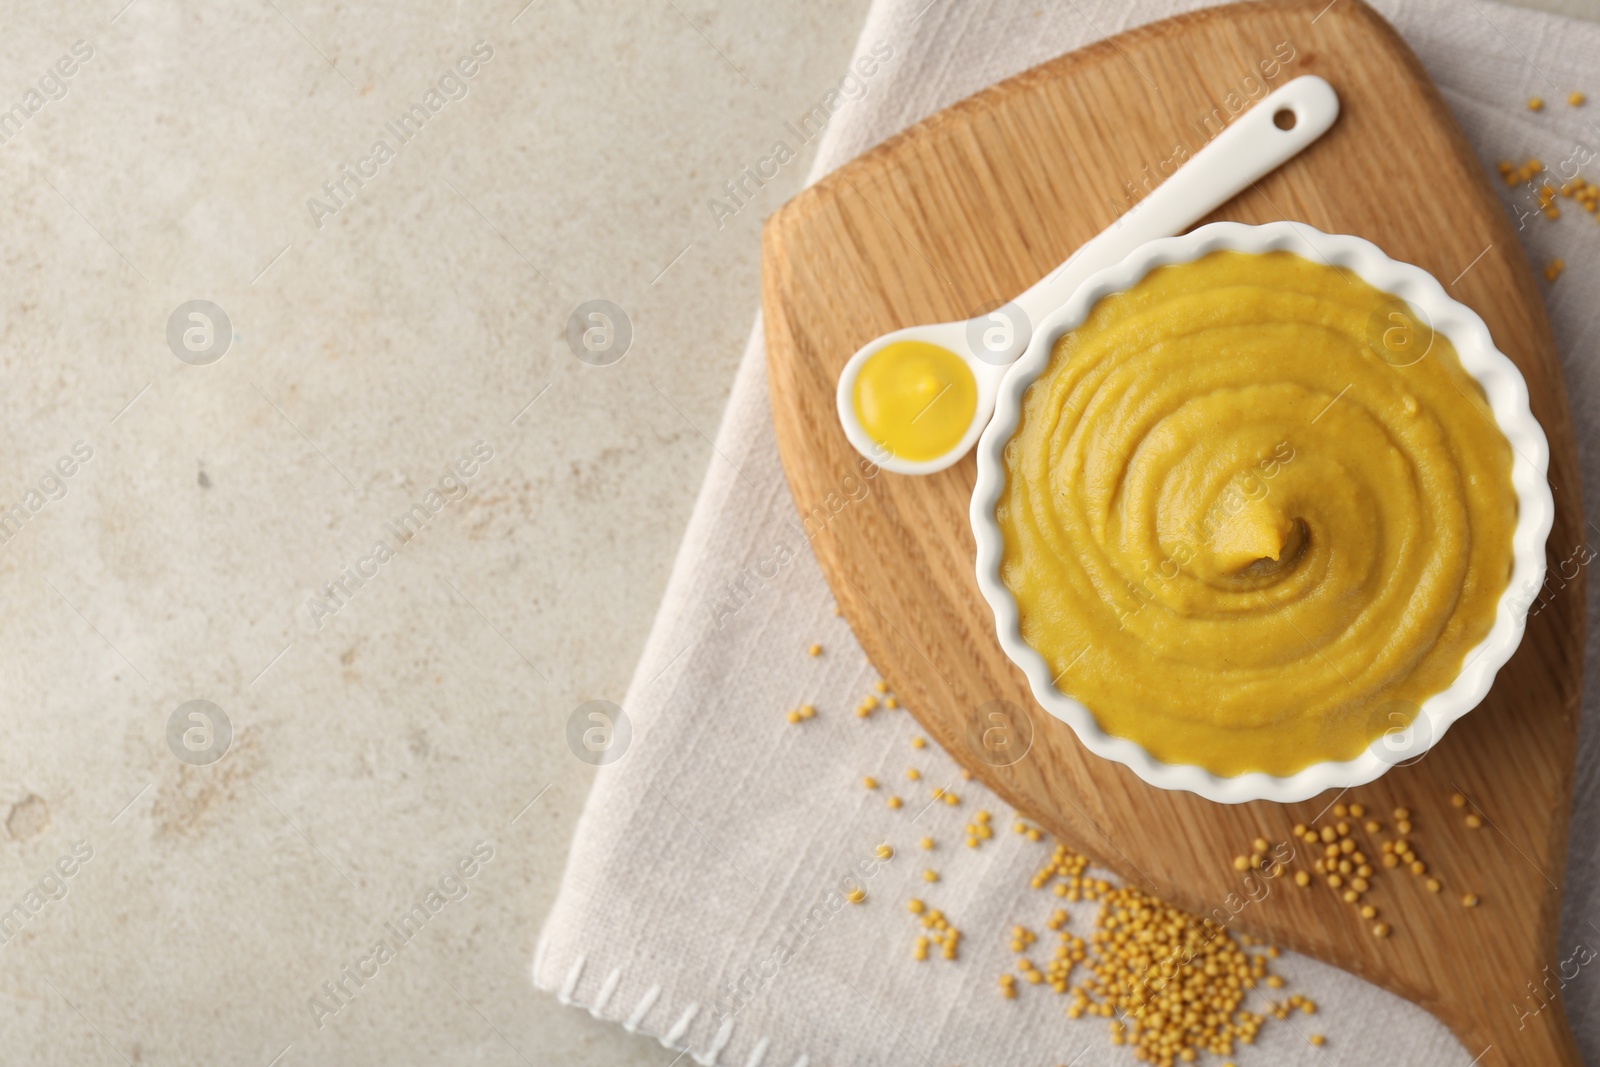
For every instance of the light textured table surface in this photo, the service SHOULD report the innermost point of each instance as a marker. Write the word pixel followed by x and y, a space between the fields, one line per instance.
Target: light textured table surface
pixel 376 336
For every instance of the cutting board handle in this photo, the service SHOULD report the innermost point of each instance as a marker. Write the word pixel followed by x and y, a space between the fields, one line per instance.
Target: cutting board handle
pixel 1517 1031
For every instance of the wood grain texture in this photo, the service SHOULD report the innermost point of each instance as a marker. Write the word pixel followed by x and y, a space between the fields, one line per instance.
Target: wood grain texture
pixel 968 208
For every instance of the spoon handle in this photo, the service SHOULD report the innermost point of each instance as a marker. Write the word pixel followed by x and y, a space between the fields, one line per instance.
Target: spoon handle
pixel 1249 148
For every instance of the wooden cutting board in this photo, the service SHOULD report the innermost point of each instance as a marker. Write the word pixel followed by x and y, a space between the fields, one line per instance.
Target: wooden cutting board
pixel 968 208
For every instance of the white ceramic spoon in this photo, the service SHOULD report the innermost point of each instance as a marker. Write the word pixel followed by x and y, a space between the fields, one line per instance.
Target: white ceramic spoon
pixel 1256 143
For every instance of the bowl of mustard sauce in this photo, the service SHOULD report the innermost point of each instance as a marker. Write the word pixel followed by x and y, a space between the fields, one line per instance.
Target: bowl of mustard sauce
pixel 1259 511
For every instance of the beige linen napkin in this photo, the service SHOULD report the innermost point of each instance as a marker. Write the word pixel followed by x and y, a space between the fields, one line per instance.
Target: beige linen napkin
pixel 701 900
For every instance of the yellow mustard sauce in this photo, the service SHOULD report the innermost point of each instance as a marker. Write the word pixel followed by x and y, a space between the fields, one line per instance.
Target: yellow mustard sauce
pixel 1255 513
pixel 915 399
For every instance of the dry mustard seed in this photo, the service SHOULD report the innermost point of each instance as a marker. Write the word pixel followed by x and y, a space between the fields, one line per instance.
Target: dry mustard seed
pixel 1351 896
pixel 1575 98
pixel 1402 813
pixel 930 876
pixel 793 716
pixel 926 844
pixel 856 896
pixel 1241 863
pixel 913 774
pixel 1340 811
pixel 1457 800
pixel 1403 826
pixel 1535 103
pixel 1419 867
pixel 915 906
pixel 1357 811
pixel 814 650
pixel 1317 1039
pixel 918 742
pixel 885 851
pixel 895 802
pixel 890 702
pixel 1470 900
pixel 1434 885
pixel 1360 885
pixel 881 686
pixel 1473 821
pixel 1329 835
pixel 1260 844
pixel 1373 826
pixel 1300 830
pixel 1368 911
pixel 870 782
pixel 1301 878
pixel 1381 930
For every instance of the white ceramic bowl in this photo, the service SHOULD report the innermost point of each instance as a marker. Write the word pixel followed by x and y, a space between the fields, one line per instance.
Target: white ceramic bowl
pixel 1508 399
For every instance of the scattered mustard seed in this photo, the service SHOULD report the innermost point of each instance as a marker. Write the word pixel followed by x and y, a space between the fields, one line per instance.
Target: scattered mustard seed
pixel 1535 103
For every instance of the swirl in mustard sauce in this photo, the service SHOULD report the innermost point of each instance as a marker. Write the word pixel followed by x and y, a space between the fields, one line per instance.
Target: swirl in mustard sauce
pixel 1255 513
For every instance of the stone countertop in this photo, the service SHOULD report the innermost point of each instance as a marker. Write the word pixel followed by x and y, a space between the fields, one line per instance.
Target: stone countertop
pixel 372 317
pixel 293 428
